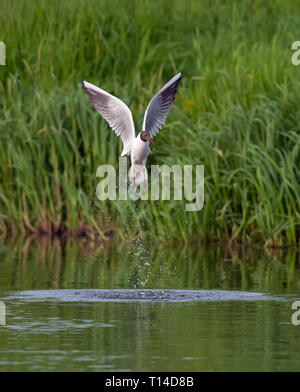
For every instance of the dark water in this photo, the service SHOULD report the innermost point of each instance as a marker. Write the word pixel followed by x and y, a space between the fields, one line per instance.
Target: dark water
pixel 79 307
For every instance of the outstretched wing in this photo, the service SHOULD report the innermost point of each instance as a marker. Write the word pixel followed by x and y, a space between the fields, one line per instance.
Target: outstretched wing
pixel 114 111
pixel 159 106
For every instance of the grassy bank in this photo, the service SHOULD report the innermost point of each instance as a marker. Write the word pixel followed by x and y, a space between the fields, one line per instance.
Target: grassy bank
pixel 236 112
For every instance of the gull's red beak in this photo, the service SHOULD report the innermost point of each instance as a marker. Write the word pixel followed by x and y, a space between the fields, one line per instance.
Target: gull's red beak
pixel 148 138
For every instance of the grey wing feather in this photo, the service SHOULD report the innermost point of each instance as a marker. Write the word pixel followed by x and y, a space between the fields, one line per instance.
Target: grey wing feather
pixel 114 111
pixel 160 105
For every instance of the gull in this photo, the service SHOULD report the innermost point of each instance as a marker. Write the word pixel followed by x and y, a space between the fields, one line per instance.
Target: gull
pixel 119 117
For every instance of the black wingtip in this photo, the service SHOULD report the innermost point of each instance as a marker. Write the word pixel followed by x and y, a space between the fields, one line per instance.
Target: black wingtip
pixel 180 76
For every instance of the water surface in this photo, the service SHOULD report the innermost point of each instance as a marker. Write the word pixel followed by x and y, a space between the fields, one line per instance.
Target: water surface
pixel 145 307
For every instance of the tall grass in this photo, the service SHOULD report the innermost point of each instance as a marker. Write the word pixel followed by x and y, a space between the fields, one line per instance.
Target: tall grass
pixel 236 112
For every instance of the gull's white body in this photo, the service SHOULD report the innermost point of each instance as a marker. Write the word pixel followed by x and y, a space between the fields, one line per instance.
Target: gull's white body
pixel 139 153
pixel 119 117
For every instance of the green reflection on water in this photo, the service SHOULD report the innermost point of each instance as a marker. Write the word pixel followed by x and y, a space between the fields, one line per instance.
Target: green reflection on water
pixel 233 335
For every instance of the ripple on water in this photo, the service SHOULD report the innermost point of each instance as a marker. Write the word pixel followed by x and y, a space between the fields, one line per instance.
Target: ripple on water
pixel 137 295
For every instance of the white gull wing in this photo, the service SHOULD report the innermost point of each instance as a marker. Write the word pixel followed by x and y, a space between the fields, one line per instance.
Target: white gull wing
pixel 159 106
pixel 114 111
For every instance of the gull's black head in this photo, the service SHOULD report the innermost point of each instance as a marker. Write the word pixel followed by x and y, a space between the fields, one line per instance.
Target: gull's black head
pixel 145 136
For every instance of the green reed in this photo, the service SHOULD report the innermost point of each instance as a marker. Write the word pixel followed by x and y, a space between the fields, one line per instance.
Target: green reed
pixel 236 112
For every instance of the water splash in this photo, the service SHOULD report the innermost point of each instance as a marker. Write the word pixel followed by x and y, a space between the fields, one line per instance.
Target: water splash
pixel 141 295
